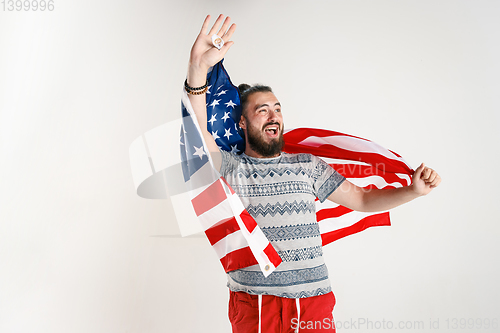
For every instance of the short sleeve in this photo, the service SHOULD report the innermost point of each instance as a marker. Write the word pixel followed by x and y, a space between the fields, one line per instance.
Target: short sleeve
pixel 228 164
pixel 325 179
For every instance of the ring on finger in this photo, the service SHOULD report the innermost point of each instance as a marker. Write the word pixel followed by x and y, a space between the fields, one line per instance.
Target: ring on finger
pixel 217 41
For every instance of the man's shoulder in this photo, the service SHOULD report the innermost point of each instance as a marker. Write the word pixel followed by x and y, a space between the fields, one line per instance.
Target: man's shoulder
pixel 298 158
pixel 231 155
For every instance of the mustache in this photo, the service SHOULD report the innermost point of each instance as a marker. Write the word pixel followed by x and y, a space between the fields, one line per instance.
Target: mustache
pixel 272 123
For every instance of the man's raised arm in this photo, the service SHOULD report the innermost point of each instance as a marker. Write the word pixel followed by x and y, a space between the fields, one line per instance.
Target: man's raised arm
pixel 374 200
pixel 203 56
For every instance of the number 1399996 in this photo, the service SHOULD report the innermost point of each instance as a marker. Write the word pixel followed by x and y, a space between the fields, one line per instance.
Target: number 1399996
pixel 27 5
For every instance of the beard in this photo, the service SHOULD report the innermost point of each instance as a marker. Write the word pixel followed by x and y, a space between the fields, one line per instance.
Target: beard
pixel 260 146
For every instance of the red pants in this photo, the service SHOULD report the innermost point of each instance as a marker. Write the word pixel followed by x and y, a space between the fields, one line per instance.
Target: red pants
pixel 280 315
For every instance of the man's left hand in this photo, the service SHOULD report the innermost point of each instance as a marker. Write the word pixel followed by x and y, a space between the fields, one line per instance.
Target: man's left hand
pixel 424 180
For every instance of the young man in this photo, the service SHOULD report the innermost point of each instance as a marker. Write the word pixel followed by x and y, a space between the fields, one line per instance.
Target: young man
pixel 279 190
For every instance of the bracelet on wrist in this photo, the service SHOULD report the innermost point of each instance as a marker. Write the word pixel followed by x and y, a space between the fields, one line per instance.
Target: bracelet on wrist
pixel 199 92
pixel 191 89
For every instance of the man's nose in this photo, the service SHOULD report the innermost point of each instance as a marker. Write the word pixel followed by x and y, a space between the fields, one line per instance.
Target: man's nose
pixel 273 116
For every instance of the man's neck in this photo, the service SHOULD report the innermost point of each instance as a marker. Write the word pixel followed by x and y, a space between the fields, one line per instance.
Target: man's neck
pixel 252 153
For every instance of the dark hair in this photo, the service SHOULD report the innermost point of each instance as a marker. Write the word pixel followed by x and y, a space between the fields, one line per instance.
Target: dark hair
pixel 247 90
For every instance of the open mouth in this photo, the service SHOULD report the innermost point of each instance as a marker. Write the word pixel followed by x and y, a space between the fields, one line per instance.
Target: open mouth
pixel 272 130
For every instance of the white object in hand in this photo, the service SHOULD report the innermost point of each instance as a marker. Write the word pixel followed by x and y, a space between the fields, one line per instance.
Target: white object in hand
pixel 217 41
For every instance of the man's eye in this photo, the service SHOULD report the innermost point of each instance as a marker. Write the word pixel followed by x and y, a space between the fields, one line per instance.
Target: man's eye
pixel 277 110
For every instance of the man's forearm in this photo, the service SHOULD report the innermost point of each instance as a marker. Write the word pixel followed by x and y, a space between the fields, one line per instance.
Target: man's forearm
pixel 424 179
pixel 197 77
pixel 375 200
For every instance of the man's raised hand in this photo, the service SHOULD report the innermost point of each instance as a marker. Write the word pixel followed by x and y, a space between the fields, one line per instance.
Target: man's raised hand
pixel 203 53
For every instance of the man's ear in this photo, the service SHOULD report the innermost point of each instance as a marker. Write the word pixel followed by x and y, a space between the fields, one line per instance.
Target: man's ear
pixel 242 123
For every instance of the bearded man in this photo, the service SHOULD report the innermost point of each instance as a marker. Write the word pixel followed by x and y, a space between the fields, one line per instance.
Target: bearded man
pixel 279 191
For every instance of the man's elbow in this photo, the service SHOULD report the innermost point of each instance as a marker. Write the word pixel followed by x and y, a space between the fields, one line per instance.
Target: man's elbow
pixel 354 198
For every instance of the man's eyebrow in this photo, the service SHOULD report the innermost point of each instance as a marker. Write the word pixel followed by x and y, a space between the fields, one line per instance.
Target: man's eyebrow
pixel 258 107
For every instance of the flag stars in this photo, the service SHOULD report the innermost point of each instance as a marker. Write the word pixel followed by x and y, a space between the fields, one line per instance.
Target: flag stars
pixel 199 152
pixel 215 102
pixel 223 92
pixel 215 135
pixel 208 89
pixel 230 104
pixel 226 116
pixel 211 121
pixel 234 149
pixel 228 133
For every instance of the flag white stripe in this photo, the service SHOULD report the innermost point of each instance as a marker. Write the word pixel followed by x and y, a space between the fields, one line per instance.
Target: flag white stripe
pixel 351 144
pixel 260 242
pixel 235 241
pixel 218 213
pixel 342 161
pixel 224 210
pixel 378 181
pixel 230 243
pixel 236 203
pixel 346 220
pixel 405 177
pixel 326 204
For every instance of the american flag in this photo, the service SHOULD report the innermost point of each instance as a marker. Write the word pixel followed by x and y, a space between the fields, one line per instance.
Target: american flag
pixel 363 162
pixel 233 233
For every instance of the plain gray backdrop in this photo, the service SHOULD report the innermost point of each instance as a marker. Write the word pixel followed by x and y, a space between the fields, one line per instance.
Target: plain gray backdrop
pixel 81 252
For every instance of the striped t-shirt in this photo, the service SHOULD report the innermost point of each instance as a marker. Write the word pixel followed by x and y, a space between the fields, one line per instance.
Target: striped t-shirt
pixel 279 193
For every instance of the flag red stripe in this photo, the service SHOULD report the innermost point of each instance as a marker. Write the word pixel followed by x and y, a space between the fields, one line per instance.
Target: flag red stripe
pixel 326 213
pixel 238 259
pixel 395 153
pixel 229 186
pixel 272 255
pixel 381 219
pixel 248 220
pixel 221 230
pixel 209 198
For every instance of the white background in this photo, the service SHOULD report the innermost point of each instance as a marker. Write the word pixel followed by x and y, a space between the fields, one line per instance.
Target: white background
pixel 81 252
